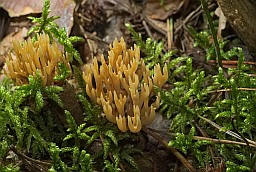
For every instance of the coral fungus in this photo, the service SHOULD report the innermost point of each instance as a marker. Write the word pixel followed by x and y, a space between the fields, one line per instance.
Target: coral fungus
pixel 123 87
pixel 30 57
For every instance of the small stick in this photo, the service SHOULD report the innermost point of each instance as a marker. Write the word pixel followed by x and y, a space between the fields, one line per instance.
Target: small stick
pixel 169 33
pixel 228 90
pixel 213 98
pixel 231 62
pixel 174 151
pixel 216 140
pixel 231 133
pixel 153 25
pixel 147 29
pixel 31 163
pixel 28 158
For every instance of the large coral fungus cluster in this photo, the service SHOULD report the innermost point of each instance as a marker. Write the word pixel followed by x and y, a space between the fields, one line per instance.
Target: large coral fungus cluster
pixel 30 57
pixel 123 87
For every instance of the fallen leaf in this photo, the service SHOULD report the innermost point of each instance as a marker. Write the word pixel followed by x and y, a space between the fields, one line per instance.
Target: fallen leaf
pixel 23 7
pixel 161 25
pixel 62 8
pixel 6 43
pixel 161 12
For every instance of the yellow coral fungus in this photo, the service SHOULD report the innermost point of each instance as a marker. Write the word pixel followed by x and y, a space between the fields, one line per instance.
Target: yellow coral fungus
pixel 30 57
pixel 123 87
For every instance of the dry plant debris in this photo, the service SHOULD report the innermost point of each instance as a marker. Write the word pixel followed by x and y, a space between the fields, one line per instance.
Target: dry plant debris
pixel 29 57
pixel 123 87
pixel 155 10
pixel 62 8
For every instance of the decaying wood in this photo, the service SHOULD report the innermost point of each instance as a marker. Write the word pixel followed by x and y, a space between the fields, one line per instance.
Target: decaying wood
pixel 242 17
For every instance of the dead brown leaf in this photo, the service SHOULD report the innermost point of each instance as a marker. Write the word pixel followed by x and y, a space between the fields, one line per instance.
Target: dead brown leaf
pixel 62 8
pixel 22 7
pixel 160 25
pixel 155 11
pixel 6 43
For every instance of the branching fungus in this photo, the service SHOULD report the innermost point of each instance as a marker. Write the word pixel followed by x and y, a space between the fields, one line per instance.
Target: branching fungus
pixel 30 57
pixel 123 86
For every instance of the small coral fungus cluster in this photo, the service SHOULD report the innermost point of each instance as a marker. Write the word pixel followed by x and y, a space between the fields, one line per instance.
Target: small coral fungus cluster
pixel 123 87
pixel 31 57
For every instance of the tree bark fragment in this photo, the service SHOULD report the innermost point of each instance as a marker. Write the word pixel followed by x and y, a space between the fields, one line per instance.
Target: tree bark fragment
pixel 241 14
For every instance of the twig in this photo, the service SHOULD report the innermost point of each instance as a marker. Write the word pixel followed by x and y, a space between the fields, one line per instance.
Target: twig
pixel 41 166
pixel 220 141
pixel 190 17
pixel 213 98
pixel 153 25
pixel 231 62
pixel 231 133
pixel 28 158
pixel 147 29
pixel 169 33
pixel 90 36
pixel 228 90
pixel 236 130
pixel 174 151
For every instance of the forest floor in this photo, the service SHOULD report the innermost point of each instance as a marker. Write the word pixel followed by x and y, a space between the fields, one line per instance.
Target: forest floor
pixel 99 22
